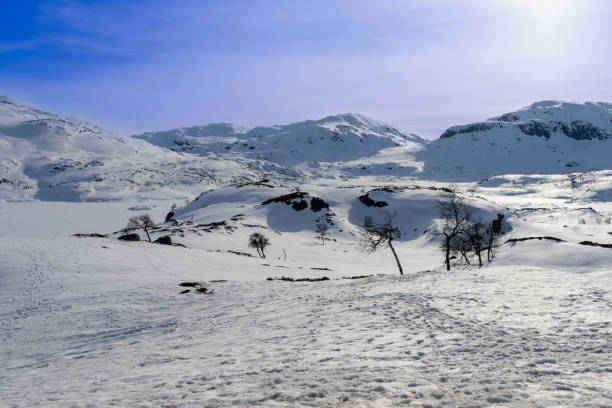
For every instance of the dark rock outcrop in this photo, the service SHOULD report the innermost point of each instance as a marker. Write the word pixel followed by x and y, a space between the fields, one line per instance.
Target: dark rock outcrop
pixel 129 237
pixel 165 240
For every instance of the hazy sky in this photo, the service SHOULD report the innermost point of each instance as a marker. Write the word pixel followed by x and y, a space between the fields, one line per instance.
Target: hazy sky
pixel 422 65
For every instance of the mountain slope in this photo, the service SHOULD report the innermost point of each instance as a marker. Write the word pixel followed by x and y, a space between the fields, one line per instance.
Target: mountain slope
pixel 546 137
pixel 50 157
pixel 336 138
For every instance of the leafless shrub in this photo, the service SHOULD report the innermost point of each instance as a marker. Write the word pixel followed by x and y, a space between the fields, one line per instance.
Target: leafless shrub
pixel 374 236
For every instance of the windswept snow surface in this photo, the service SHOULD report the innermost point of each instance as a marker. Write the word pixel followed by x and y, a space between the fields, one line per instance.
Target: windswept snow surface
pixel 95 321
pixel 100 322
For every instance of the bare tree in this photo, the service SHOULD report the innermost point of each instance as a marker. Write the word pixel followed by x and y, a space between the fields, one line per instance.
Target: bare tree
pixel 456 216
pixel 375 236
pixel 259 242
pixel 477 237
pixel 461 249
pixel 322 231
pixel 143 222
pixel 493 232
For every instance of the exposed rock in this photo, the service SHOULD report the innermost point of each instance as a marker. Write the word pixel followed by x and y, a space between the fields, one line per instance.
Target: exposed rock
pixel 165 240
pixel 129 237
pixel 595 244
pixel 297 201
pixel 535 128
pixel 190 284
pixel 317 204
pixel 554 239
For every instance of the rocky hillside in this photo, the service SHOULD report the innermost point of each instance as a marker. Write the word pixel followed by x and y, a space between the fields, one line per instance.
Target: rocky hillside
pixel 546 137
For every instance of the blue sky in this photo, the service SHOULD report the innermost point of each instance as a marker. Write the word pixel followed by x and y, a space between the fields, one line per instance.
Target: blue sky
pixel 423 65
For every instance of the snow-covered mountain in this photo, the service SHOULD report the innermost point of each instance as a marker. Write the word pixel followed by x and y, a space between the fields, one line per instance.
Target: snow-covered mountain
pixel 338 138
pixel 546 137
pixel 205 320
pixel 51 157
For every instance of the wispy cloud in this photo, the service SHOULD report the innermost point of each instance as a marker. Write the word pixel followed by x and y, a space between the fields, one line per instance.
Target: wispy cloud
pixel 423 65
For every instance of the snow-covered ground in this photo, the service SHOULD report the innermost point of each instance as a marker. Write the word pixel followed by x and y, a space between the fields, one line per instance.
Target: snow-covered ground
pixel 95 321
pixel 99 322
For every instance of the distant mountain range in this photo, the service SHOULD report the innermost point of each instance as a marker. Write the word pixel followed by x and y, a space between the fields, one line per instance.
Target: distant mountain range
pixel 338 138
pixel 51 157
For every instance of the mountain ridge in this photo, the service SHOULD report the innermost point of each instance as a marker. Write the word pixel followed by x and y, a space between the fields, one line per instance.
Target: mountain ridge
pixel 53 157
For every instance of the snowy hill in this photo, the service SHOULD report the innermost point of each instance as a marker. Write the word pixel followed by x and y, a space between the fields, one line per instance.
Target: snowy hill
pixel 89 319
pixel 336 138
pixel 546 137
pixel 50 157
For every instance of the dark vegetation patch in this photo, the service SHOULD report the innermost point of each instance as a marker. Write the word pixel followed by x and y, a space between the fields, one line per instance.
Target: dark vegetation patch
pixel 398 189
pixel 581 130
pixel 577 129
pixel 262 183
pixel 286 279
pixel 508 117
pixel 129 237
pixel 165 240
pixel 197 286
pixel 215 226
pixel 18 183
pixel 205 290
pixel 369 202
pixel 535 128
pixel 595 244
pixel 476 127
pixel 240 253
pixel 554 239
pixel 190 284
pixel 321 269
pixel 253 225
pixel 287 198
pixel 94 235
pixel 357 277
pixel 317 204
pixel 297 201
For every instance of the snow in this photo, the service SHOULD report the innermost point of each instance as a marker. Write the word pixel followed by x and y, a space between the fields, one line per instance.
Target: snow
pixel 95 321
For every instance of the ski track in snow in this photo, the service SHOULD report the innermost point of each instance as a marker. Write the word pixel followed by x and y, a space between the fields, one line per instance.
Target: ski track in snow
pixel 468 338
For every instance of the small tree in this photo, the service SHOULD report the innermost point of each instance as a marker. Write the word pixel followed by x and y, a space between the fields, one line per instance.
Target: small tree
pixel 259 242
pixel 477 237
pixel 493 232
pixel 143 222
pixel 461 249
pixel 170 214
pixel 456 216
pixel 374 236
pixel 322 231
